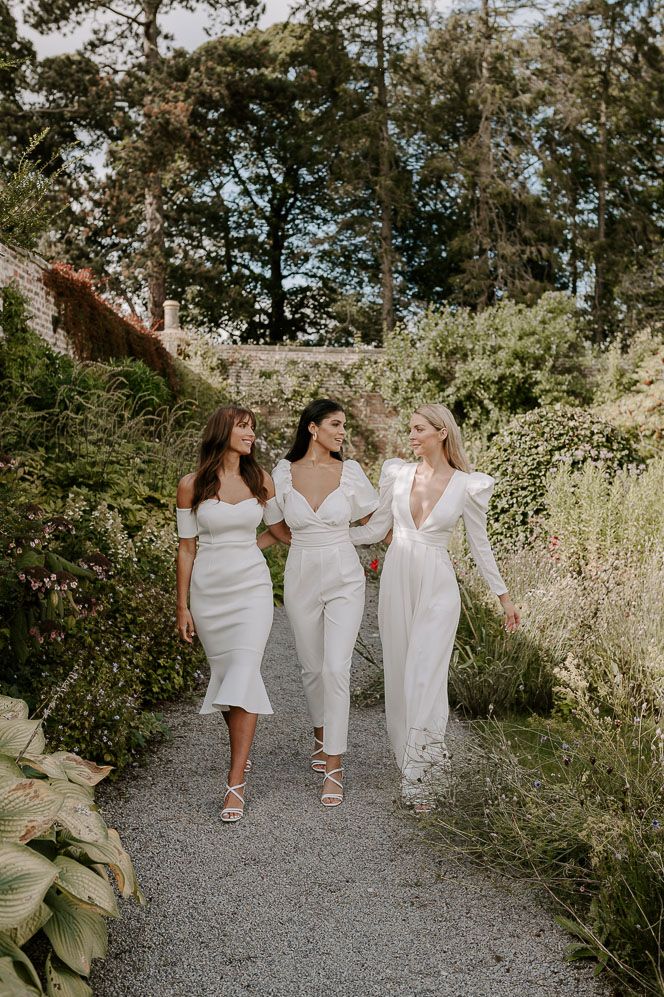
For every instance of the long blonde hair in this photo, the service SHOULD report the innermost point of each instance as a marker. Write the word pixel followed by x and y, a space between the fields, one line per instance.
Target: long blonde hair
pixel 441 418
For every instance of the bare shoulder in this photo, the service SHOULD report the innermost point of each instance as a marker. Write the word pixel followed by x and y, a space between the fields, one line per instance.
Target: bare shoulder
pixel 269 484
pixel 185 493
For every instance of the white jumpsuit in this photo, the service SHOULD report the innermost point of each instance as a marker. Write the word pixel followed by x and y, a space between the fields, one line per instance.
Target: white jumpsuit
pixel 419 606
pixel 324 592
pixel 231 598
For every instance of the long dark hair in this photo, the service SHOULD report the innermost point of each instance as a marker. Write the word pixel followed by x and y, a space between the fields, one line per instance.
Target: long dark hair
pixel 315 411
pixel 216 437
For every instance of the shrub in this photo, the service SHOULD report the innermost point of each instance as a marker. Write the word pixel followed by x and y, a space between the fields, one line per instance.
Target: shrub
pixel 487 366
pixel 632 390
pixel 578 806
pixel 56 853
pixel 523 454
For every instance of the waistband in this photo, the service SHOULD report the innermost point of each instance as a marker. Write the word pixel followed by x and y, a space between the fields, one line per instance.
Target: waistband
pixel 415 536
pixel 227 543
pixel 320 538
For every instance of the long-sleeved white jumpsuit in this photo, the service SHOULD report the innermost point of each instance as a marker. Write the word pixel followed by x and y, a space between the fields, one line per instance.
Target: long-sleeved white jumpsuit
pixel 324 592
pixel 419 607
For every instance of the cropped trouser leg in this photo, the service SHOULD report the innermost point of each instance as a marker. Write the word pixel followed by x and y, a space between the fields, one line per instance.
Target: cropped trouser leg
pixel 324 598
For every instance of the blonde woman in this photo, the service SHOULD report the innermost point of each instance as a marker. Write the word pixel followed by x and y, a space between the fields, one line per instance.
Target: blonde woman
pixel 419 603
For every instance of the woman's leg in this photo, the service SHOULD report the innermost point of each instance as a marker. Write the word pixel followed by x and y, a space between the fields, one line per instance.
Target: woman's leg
pixel 241 728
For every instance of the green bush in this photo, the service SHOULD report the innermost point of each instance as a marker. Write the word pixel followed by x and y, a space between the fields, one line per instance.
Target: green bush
pixel 56 852
pixel 577 806
pixel 487 366
pixel 523 454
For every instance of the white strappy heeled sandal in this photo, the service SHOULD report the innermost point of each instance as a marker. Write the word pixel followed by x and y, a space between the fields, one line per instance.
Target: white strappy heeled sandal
pixel 334 798
pixel 230 815
pixel 317 764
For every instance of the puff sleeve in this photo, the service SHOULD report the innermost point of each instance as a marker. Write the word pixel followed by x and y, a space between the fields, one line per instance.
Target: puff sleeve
pixel 478 492
pixel 380 523
pixel 359 491
pixel 187 524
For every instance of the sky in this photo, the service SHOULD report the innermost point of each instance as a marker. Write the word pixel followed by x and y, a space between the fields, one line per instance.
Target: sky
pixel 187 29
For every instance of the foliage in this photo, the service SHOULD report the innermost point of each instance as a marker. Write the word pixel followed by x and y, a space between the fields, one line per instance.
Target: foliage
pixel 96 330
pixel 25 211
pixel 95 459
pixel 488 366
pixel 522 455
pixel 574 797
pixel 578 807
pixel 56 854
pixel 631 389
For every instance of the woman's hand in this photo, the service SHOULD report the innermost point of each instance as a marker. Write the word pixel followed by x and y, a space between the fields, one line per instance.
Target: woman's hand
pixel 186 628
pixel 512 615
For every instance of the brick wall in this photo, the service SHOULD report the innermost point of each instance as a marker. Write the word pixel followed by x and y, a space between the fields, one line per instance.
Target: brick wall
pixel 248 370
pixel 25 270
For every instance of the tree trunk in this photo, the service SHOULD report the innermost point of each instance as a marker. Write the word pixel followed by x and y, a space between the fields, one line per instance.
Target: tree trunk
pixel 484 163
pixel 384 187
pixel 155 239
pixel 276 325
pixel 602 184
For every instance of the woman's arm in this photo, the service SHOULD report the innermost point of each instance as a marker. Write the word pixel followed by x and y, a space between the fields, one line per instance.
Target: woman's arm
pixel 474 518
pixel 185 564
pixel 273 517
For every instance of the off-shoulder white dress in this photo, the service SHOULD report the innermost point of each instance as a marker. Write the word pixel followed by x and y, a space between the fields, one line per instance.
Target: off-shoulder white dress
pixel 231 598
pixel 419 606
pixel 324 592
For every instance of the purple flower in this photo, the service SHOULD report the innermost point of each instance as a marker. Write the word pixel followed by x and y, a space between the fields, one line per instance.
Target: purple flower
pixel 537 783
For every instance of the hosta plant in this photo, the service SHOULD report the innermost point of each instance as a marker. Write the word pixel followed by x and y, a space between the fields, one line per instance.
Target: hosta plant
pixel 56 853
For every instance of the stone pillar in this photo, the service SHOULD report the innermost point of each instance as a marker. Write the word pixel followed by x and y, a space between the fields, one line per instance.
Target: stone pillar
pixel 172 335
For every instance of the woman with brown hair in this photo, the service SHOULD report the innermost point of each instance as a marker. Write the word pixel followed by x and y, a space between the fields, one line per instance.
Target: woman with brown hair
pixel 227 580
pixel 419 603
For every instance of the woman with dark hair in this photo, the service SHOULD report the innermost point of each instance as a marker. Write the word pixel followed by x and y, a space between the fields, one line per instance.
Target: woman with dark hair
pixel 227 580
pixel 319 495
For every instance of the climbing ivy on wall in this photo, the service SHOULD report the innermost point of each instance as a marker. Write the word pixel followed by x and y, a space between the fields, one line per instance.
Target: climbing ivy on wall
pixel 96 331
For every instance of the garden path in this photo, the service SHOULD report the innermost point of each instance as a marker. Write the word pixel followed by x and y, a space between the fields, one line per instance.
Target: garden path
pixel 297 901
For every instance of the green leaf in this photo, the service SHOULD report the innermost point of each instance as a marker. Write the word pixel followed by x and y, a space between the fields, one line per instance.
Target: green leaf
pixel 13 708
pixel 77 936
pixel 24 931
pixel 16 733
pixel 80 770
pixel 82 820
pixel 25 876
pixel 112 854
pixel 9 770
pixel 45 764
pixel 87 887
pixel 27 809
pixel 9 949
pixel 62 982
pixel 11 984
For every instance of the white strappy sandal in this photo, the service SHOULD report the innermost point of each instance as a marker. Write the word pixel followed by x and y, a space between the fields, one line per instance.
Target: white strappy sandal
pixel 248 765
pixel 317 764
pixel 334 798
pixel 230 815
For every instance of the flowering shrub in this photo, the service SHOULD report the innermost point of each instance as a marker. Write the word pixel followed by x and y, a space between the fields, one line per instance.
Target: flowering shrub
pixel 532 445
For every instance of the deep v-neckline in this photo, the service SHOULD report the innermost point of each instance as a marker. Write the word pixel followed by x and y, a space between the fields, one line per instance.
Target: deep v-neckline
pixel 305 499
pixel 436 503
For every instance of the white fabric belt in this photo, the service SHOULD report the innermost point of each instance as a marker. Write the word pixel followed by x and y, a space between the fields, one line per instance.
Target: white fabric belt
pixel 227 543
pixel 415 536
pixel 320 538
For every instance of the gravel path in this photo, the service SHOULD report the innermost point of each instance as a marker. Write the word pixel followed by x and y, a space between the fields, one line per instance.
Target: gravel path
pixel 296 901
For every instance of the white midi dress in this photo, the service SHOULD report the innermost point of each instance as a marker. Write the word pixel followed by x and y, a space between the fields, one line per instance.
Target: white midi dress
pixel 231 599
pixel 324 592
pixel 419 606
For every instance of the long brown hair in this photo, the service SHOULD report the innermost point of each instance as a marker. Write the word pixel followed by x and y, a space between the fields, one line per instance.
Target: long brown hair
pixel 216 438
